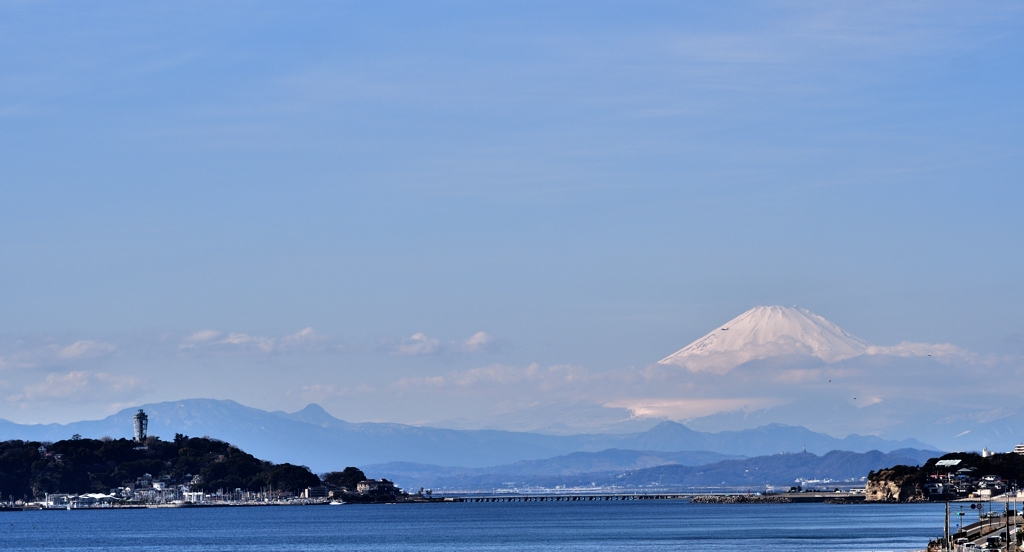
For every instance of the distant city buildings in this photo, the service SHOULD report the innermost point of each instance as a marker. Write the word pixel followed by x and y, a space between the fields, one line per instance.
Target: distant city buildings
pixel 956 480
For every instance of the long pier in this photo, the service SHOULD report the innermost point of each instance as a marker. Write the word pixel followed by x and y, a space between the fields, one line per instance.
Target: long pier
pixel 590 497
pixel 566 497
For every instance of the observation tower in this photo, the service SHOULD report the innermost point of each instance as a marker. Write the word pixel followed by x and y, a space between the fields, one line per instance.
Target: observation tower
pixel 141 423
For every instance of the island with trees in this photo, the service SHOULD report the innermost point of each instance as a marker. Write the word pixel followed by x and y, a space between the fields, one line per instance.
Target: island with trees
pixel 81 472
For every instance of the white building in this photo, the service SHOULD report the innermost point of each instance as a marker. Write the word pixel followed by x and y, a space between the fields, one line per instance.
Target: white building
pixel 194 497
pixel 315 492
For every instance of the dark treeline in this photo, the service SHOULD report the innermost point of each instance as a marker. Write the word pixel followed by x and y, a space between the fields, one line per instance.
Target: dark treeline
pixel 77 466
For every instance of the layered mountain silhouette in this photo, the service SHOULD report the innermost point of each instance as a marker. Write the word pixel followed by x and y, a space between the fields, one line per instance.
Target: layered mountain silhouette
pixel 314 438
pixel 412 474
pixel 647 469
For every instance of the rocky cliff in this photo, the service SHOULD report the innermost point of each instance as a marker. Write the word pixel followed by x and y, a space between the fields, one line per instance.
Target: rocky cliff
pixel 895 485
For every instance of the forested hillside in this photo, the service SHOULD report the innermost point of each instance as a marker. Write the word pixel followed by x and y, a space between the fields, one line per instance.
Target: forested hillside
pixel 30 469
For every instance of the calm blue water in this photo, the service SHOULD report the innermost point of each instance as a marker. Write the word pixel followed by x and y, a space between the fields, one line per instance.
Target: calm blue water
pixel 641 525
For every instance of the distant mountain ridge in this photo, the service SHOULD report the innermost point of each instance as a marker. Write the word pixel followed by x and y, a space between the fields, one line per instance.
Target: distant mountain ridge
pixel 776 469
pixel 570 464
pixel 314 438
pixel 757 472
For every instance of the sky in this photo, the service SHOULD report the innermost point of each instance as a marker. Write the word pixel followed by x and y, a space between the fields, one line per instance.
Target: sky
pixel 492 213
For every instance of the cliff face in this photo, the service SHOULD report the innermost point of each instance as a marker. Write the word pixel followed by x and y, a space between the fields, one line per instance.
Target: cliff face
pixel 888 487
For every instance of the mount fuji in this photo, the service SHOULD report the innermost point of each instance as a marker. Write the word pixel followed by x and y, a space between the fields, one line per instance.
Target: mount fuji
pixel 764 332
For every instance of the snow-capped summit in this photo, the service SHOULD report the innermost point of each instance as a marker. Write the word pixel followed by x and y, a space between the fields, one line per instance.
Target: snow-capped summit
pixel 764 332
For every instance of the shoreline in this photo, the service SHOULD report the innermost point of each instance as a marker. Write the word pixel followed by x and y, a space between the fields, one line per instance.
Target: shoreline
pixel 695 498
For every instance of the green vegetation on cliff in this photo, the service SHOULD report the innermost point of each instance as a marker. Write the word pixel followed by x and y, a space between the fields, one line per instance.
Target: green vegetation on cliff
pixel 908 474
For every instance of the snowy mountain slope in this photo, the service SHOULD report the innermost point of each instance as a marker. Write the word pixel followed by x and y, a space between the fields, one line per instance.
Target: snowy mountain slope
pixel 767 331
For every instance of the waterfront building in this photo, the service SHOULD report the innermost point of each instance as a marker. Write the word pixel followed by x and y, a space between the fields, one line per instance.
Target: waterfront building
pixel 935 489
pixel 195 497
pixel 57 500
pixel 315 492
pixel 89 500
pixel 376 486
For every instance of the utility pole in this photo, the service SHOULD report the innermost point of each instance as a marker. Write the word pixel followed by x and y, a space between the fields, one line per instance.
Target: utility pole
pixel 945 538
pixel 1006 523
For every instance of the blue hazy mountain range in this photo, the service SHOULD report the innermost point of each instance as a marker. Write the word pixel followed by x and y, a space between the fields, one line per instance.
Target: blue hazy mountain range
pixel 314 438
pixel 415 474
pixel 632 468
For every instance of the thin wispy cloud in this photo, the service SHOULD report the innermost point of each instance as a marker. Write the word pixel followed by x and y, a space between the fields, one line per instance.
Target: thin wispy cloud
pixel 908 349
pixel 86 349
pixel 418 344
pixel 203 336
pixel 422 344
pixel 321 392
pixel 43 353
pixel 49 352
pixel 513 380
pixel 681 409
pixel 480 342
pixel 79 386
pixel 306 340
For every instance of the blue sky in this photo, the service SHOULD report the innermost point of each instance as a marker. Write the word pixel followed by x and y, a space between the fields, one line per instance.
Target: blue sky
pixel 591 184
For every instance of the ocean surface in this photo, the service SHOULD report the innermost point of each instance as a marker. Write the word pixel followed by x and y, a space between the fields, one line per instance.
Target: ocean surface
pixel 640 525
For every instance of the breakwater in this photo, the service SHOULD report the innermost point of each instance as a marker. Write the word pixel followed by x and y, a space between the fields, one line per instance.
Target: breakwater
pixel 740 499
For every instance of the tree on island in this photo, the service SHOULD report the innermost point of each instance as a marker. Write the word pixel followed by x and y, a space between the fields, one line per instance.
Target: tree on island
pixel 292 478
pixel 346 479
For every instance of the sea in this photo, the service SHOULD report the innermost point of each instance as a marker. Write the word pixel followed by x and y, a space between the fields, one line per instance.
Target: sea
pixel 557 526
